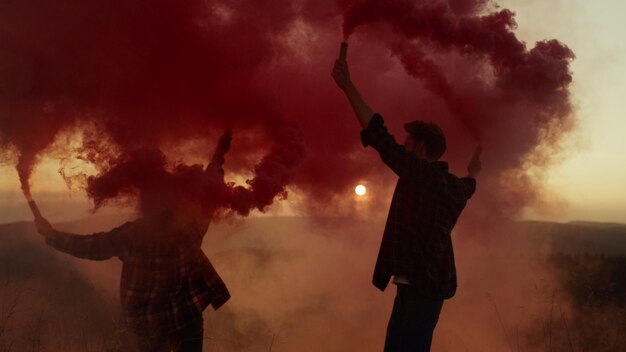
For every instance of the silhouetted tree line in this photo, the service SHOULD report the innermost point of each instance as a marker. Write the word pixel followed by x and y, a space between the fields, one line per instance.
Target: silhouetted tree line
pixel 593 280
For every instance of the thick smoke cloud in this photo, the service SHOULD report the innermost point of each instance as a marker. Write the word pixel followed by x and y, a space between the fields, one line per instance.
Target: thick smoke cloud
pixel 518 102
pixel 144 74
pixel 151 75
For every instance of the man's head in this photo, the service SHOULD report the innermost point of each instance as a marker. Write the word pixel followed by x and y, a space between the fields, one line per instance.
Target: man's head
pixel 425 139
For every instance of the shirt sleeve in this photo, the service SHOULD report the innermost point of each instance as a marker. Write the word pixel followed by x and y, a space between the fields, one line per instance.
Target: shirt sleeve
pixel 469 184
pixel 97 246
pixel 215 167
pixel 392 154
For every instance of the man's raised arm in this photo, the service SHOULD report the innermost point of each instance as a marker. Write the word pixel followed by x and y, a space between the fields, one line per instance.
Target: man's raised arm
pixel 374 132
pixel 475 165
pixel 341 74
pixel 98 246
pixel 220 151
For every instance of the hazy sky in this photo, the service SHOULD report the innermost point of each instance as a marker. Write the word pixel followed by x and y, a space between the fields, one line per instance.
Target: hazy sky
pixel 590 182
pixel 592 177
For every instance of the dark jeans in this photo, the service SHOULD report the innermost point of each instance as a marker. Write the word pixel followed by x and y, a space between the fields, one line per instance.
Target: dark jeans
pixel 188 339
pixel 412 321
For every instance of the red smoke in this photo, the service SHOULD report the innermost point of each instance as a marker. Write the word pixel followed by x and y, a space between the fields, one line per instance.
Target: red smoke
pixel 148 75
pixel 540 75
pixel 518 103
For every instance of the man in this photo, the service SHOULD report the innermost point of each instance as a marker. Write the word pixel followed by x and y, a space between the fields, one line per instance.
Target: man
pixel 416 248
pixel 167 281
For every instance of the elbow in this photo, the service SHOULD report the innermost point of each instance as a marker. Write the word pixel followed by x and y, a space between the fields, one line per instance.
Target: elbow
pixel 95 257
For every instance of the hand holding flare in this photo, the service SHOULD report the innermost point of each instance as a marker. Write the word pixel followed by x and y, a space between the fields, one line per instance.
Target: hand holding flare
pixel 343 51
pixel 475 165
pixel 43 225
pixel 340 73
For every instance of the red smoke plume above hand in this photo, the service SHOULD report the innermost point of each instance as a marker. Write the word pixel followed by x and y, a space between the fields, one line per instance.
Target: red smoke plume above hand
pixel 541 74
pixel 149 75
pixel 520 105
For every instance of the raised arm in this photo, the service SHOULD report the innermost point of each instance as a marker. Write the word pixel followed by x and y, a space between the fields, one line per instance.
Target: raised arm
pixel 220 152
pixel 475 165
pixel 362 110
pixel 374 133
pixel 98 246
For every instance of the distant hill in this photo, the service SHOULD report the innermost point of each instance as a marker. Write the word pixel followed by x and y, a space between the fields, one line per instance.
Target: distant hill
pixel 24 257
pixel 42 297
pixel 571 237
pixel 578 236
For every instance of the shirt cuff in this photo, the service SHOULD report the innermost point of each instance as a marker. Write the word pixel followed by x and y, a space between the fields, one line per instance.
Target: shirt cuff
pixel 470 183
pixel 53 239
pixel 368 134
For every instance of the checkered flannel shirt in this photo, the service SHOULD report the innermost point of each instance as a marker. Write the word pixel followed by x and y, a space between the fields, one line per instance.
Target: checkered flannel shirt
pixel 167 281
pixel 426 204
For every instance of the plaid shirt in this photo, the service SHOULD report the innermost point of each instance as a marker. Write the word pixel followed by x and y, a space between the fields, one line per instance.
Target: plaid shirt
pixel 426 204
pixel 167 281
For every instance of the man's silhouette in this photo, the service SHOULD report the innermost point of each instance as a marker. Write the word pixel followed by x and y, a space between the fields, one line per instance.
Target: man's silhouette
pixel 167 281
pixel 416 247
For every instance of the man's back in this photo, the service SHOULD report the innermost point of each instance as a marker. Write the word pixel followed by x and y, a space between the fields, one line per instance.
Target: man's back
pixel 416 243
pixel 426 204
pixel 167 281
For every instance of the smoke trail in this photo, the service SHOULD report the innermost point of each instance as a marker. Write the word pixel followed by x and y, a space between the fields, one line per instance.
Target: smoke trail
pixel 517 101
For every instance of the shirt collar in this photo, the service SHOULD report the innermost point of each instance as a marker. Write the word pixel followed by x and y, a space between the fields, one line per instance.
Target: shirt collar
pixel 442 165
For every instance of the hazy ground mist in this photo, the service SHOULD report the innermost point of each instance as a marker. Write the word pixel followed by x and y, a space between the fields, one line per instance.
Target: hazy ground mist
pixel 302 285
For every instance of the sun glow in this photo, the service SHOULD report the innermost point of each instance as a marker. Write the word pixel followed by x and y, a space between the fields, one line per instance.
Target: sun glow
pixel 360 190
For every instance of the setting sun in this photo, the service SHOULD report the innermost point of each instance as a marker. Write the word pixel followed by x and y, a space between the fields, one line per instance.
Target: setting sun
pixel 360 190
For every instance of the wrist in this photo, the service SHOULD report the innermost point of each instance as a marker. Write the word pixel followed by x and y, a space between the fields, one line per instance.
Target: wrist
pixel 51 236
pixel 348 87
